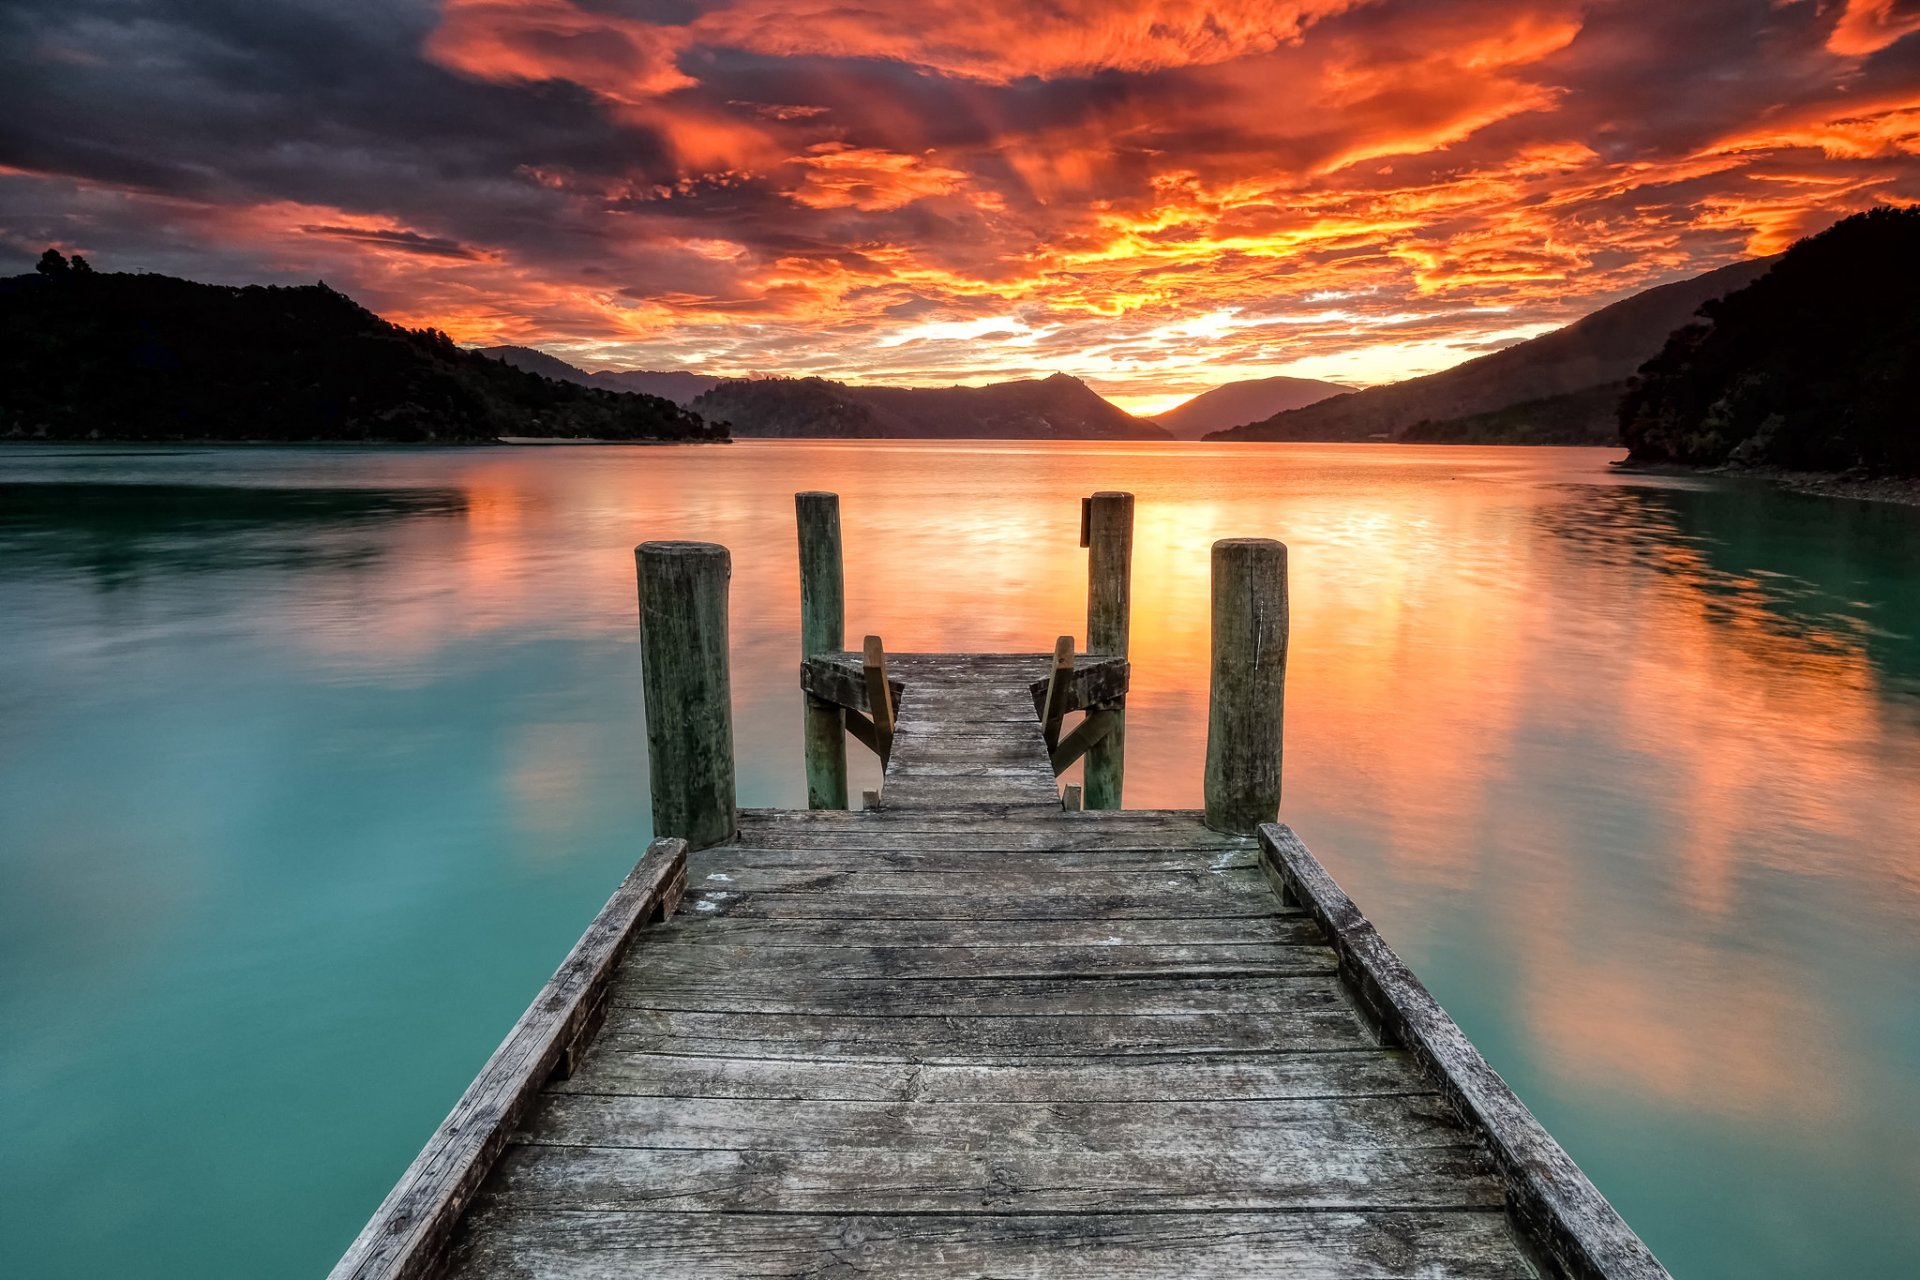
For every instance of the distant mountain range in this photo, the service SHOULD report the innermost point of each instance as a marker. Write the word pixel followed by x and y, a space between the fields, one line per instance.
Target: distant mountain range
pixel 1234 403
pixel 677 385
pixel 1055 408
pixel 1561 383
pixel 97 355
pixel 1802 361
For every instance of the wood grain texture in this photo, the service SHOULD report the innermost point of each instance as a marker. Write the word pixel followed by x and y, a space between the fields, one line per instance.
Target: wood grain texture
pixel 685 674
pixel 1109 539
pixel 944 702
pixel 1147 1078
pixel 973 1033
pixel 1332 1027
pixel 1247 685
pixel 920 1179
pixel 822 630
pixel 407 1232
pixel 1376 1245
pixel 1561 1213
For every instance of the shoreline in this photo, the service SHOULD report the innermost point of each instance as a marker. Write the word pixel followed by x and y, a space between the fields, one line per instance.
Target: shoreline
pixel 1899 490
pixel 490 442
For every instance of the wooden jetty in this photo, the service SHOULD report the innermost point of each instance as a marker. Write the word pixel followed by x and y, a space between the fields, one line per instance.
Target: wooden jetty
pixel 979 1029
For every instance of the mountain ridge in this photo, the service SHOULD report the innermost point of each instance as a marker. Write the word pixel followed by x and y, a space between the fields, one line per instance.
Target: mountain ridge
pixel 1233 404
pixel 1057 407
pixel 682 386
pixel 1602 347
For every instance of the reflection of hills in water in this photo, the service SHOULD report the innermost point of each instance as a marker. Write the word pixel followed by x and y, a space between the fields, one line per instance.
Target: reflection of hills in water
pixel 1828 577
pixel 118 531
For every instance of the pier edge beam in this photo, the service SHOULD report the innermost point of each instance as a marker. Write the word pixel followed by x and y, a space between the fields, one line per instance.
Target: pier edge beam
pixel 1247 693
pixel 823 622
pixel 684 669
pixel 1107 523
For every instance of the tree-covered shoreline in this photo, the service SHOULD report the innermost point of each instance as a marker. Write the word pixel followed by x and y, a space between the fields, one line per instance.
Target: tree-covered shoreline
pixel 90 355
pixel 1814 367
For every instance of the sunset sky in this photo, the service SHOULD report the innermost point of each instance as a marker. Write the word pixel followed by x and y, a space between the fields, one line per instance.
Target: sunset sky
pixel 1156 195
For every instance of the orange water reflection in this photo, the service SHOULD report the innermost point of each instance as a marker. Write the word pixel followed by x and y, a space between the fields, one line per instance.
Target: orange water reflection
pixel 1521 695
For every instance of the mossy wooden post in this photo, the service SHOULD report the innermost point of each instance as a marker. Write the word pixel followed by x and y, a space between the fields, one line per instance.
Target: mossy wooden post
pixel 683 664
pixel 1247 700
pixel 823 612
pixel 1106 530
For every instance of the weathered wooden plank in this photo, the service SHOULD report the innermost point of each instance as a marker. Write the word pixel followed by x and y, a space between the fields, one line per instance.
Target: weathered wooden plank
pixel 1020 781
pixel 637 987
pixel 1321 1028
pixel 1555 1205
pixel 858 931
pixel 1041 834
pixel 976 752
pixel 925 713
pixel 406 1234
pixel 1121 902
pixel 1175 888
pixel 1112 822
pixel 506 1244
pixel 1116 826
pixel 1098 1078
pixel 1073 867
pixel 1006 874
pixel 1099 680
pixel 931 793
pixel 1086 735
pixel 932 1180
pixel 1155 1130
pixel 745 964
pixel 1059 689
pixel 879 697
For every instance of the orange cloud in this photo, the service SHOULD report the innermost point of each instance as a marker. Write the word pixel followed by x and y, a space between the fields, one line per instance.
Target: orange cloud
pixel 865 178
pixel 1157 194
pixel 1868 26
pixel 1005 41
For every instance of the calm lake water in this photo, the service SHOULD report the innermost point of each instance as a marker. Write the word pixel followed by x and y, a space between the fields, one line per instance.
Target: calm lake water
pixel 314 763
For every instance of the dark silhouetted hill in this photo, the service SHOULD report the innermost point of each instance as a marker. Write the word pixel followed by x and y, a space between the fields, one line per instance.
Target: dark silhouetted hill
pixel 1814 367
pixel 1605 347
pixel 88 355
pixel 677 385
pixel 1055 408
pixel 1235 403
pixel 1589 417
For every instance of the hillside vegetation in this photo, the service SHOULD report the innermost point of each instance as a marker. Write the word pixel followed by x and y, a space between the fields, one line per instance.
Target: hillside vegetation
pixel 1815 366
pixel 89 355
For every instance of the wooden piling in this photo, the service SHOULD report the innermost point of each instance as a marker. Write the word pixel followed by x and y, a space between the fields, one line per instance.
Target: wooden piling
pixel 1246 702
pixel 1107 531
pixel 822 630
pixel 684 669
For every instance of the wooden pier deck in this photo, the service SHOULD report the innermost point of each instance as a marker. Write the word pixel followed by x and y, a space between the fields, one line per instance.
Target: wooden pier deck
pixel 970 1032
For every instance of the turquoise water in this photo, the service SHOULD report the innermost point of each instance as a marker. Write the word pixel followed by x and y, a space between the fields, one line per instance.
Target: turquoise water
pixel 314 762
